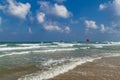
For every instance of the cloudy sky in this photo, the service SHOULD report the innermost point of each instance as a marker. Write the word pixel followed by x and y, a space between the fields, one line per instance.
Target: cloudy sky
pixel 54 20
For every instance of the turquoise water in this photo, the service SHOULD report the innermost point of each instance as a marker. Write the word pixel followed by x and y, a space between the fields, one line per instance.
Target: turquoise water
pixel 52 58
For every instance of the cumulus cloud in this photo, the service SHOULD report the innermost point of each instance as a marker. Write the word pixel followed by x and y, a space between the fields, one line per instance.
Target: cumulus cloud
pixel 115 5
pixel 91 24
pixel 50 27
pixel 111 30
pixel 107 5
pixel 54 9
pixel 114 28
pixel 40 17
pixel 61 11
pixel 17 9
pixel 53 26
pixel 102 6
pixel 102 28
pixel 67 29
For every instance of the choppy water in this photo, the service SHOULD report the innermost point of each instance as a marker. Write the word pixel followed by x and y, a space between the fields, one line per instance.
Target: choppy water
pixel 53 58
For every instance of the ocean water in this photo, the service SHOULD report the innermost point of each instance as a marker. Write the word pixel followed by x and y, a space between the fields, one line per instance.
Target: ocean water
pixel 50 59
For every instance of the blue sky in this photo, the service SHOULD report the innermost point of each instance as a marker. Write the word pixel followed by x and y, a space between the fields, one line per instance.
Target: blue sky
pixel 54 20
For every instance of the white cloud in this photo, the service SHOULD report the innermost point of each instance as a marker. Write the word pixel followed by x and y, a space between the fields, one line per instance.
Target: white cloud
pixel 116 4
pixel 114 28
pixel 111 30
pixel 17 9
pixel 61 11
pixel 51 27
pixel 40 17
pixel 90 24
pixel 67 29
pixel 102 6
pixel 102 28
pixel 0 20
pixel 54 9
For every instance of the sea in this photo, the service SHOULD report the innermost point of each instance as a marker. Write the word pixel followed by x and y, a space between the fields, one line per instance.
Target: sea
pixel 44 60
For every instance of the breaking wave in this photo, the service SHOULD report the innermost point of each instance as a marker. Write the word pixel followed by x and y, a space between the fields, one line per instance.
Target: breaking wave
pixel 57 70
pixel 37 51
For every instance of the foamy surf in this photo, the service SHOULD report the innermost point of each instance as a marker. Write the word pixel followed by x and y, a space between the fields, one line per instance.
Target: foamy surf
pixel 15 53
pixel 3 45
pixel 56 71
pixel 61 69
pixel 18 48
pixel 37 51
pixel 54 50
pixel 52 59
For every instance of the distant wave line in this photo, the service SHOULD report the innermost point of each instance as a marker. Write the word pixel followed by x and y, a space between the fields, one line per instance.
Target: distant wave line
pixel 36 51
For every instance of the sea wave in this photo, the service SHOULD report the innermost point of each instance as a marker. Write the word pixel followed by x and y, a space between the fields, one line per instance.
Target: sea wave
pixel 25 45
pixel 37 51
pixel 15 53
pixel 3 45
pixel 54 62
pixel 54 50
pixel 64 44
pixel 64 68
pixel 18 48
pixel 84 47
pixel 56 71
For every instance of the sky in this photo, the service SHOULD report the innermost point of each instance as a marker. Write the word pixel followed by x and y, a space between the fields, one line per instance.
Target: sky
pixel 55 20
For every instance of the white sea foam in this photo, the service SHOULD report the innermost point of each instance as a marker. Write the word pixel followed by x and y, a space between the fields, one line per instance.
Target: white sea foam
pixel 56 71
pixel 98 45
pixel 51 61
pixel 27 44
pixel 54 50
pixel 3 45
pixel 36 51
pixel 84 47
pixel 18 48
pixel 57 44
pixel 64 44
pixel 62 69
pixel 113 43
pixel 110 44
pixel 101 45
pixel 111 54
pixel 15 53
